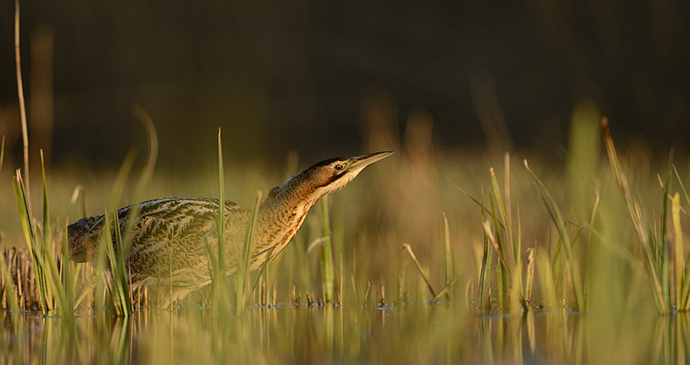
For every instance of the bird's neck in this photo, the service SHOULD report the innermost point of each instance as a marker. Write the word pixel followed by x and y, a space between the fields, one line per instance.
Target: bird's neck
pixel 281 215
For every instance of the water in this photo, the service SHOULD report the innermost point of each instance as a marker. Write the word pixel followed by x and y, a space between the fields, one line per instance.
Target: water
pixel 410 333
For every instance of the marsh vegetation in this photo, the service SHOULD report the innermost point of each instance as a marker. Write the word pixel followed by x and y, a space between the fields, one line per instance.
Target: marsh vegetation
pixel 435 256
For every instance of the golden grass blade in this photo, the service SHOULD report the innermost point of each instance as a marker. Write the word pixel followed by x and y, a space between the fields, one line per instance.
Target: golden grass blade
pixel 221 208
pixel 9 290
pixel 667 191
pixel 678 262
pixel 445 289
pixel 2 152
pixel 22 106
pixel 660 242
pixel 639 223
pixel 529 284
pixel 682 187
pixel 683 301
pixel 495 244
pixel 508 211
pixel 547 282
pixel 87 287
pixel 421 271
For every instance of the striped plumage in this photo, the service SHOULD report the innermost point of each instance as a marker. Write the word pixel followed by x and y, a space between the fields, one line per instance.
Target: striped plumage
pixel 168 246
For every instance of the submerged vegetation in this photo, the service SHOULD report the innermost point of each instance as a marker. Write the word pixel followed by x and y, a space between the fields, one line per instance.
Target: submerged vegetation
pixel 434 257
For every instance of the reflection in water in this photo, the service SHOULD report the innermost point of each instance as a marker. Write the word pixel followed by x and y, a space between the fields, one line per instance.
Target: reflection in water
pixel 413 333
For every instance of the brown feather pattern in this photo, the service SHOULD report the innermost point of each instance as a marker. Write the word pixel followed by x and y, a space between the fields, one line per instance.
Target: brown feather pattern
pixel 168 243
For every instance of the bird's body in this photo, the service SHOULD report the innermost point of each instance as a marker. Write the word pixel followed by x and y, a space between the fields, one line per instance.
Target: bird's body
pixel 171 236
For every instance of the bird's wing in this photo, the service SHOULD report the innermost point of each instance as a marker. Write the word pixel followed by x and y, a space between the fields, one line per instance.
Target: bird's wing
pixel 156 219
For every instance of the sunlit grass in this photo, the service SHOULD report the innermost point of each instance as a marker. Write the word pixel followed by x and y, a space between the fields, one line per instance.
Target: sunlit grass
pixel 570 263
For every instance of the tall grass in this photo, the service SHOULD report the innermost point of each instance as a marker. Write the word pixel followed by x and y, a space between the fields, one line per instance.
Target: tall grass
pixel 660 260
pixel 327 266
pixel 564 260
pixel 549 243
pixel 244 267
pixel 38 248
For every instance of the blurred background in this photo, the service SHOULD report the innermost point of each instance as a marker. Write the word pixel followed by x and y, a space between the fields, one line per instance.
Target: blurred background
pixel 320 77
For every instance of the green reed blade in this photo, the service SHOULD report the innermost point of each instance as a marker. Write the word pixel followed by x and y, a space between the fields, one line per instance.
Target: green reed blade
pixel 501 210
pixel 110 238
pixel 327 270
pixel 46 213
pixel 114 254
pixel 221 208
pixel 125 231
pixel 218 263
pixel 262 269
pixel 121 234
pixel 559 222
pixel 666 194
pixel 507 279
pixel 485 274
pixel 55 285
pixel 480 204
pixel 503 269
pixel 62 298
pixel 117 269
pixel 661 239
pixel 104 241
pixel 244 266
pixel 35 249
pixel 219 288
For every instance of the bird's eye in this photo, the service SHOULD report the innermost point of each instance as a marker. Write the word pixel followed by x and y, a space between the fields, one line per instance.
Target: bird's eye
pixel 339 167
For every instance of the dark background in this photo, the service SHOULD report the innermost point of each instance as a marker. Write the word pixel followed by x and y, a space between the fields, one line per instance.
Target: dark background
pixel 280 75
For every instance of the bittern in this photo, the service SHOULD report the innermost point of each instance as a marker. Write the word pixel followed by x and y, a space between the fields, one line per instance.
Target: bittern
pixel 169 244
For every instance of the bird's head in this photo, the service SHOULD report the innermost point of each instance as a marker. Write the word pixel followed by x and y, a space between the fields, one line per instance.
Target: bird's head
pixel 333 174
pixel 319 180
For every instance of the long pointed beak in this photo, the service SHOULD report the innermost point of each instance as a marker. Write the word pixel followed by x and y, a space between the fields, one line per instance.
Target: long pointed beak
pixel 360 162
